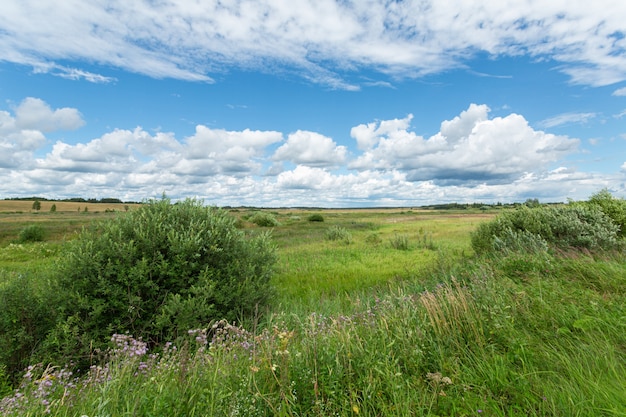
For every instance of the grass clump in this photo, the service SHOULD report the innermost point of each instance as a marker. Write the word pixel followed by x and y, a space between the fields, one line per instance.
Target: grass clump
pixel 338 233
pixel 400 242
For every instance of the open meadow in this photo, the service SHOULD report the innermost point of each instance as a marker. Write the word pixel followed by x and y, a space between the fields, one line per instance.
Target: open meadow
pixel 373 312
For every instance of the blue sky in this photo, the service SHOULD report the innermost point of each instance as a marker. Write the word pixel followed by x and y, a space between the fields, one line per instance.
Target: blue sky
pixel 313 103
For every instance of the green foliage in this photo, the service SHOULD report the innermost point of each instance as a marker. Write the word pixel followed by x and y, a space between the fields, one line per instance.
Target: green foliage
pixel 36 205
pixel 572 226
pixel 338 233
pixel 53 208
pixel 373 238
pixel 263 219
pixel 32 233
pixel 400 242
pixel 157 272
pixel 26 316
pixel 315 218
pixel 5 384
pixel 614 208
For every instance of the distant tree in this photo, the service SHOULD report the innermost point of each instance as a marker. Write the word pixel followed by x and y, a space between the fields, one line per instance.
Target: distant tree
pixel 532 202
pixel 53 208
pixel 37 205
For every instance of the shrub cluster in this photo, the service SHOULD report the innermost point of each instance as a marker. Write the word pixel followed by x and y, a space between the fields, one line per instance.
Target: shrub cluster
pixel 578 226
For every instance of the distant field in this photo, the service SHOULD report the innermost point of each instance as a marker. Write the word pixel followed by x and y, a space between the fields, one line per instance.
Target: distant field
pixel 19 206
pixel 68 217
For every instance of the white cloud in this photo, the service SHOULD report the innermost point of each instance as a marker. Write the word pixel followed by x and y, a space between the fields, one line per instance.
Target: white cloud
pixel 620 92
pixel 367 135
pixel 304 177
pixel 188 40
pixel 22 134
pixel 311 149
pixel 567 118
pixel 472 158
pixel 469 148
pixel 35 114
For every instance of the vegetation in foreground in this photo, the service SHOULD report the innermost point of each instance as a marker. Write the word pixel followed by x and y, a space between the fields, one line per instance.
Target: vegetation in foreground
pixel 534 326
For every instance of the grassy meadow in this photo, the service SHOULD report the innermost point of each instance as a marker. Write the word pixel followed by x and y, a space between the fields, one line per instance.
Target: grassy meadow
pixel 384 312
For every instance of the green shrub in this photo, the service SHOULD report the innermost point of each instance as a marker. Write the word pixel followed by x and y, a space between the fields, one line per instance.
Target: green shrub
pixel 263 219
pixel 316 218
pixel 572 226
pixel 157 272
pixel 32 233
pixel 339 233
pixel 614 208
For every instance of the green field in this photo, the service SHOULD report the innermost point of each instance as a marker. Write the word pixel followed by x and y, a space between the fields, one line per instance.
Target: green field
pixel 395 317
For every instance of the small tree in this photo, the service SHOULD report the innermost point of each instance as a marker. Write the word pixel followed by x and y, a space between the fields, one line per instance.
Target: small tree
pixel 53 208
pixel 37 205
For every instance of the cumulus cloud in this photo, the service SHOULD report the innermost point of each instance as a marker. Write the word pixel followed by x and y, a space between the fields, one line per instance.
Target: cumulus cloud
pixel 304 177
pixel 35 114
pixel 23 132
pixel 311 149
pixel 207 152
pixel 320 39
pixel 469 148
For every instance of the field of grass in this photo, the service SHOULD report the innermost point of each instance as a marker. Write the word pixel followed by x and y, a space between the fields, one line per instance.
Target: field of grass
pixel 396 318
pixel 68 217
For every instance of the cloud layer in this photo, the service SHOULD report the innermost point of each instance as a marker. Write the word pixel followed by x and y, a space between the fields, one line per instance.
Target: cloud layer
pixel 473 157
pixel 321 39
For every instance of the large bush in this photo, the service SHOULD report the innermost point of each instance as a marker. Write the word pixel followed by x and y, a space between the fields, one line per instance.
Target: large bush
pixel 157 272
pixel 571 226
